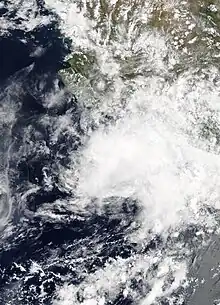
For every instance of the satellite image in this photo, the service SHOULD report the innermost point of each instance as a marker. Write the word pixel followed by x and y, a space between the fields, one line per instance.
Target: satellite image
pixel 110 152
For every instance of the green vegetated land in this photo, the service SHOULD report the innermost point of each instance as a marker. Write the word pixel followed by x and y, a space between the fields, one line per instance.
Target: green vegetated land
pixel 192 28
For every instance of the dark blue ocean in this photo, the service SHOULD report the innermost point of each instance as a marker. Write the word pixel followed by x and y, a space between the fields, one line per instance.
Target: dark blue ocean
pixel 26 79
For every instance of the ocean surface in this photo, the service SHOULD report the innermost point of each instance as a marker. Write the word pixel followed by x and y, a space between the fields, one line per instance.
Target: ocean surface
pixel 109 152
